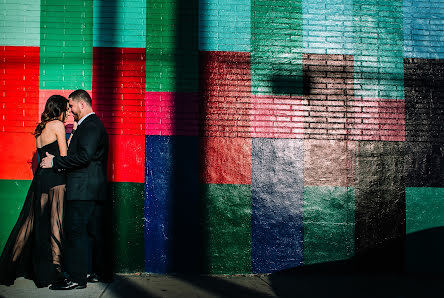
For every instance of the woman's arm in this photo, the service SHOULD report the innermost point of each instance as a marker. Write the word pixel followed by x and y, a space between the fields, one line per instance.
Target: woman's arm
pixel 59 130
pixel 72 132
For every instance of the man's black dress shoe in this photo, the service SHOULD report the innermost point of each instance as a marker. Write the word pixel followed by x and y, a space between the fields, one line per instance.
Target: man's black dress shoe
pixel 92 278
pixel 66 284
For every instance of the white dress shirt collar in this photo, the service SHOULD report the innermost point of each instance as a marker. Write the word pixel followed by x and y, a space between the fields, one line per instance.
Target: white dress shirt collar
pixel 81 120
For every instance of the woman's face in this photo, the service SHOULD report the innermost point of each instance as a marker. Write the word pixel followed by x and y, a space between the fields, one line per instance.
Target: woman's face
pixel 62 117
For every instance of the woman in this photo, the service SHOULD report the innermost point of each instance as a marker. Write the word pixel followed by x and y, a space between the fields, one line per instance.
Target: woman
pixel 34 247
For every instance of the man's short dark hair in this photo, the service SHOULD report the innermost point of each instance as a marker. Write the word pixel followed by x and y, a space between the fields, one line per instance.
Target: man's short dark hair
pixel 81 95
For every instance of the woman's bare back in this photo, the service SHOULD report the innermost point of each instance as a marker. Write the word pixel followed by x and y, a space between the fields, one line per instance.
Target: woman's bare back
pixel 53 131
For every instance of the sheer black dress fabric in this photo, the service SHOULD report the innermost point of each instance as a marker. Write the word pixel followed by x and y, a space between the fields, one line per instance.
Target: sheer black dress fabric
pixel 34 247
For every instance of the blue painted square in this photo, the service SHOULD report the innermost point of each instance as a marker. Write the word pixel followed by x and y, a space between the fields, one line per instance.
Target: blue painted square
pixel 277 198
pixel 172 233
pixel 224 25
pixel 423 29
pixel 326 26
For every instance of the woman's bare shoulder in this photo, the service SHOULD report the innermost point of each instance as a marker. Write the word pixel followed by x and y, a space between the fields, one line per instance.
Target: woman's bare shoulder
pixel 55 124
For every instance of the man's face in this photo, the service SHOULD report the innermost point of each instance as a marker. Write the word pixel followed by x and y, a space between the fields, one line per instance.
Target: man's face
pixel 74 107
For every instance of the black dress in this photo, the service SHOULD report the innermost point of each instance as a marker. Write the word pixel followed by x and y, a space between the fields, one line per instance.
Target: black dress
pixel 34 248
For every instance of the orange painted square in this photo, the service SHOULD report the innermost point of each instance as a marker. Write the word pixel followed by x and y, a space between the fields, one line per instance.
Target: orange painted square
pixel 225 160
pixel 18 158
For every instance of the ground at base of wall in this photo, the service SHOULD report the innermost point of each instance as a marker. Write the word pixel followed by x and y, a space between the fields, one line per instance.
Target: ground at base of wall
pixel 301 284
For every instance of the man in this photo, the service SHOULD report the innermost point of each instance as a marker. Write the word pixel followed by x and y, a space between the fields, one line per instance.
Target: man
pixel 85 166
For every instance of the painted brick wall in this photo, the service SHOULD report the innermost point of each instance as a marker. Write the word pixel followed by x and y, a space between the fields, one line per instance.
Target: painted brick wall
pixel 247 136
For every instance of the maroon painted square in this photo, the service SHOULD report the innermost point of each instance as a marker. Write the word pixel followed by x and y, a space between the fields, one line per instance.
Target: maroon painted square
pixel 118 89
pixel 225 87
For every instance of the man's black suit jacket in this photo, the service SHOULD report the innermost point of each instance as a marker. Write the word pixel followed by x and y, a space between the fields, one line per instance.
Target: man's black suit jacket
pixel 86 162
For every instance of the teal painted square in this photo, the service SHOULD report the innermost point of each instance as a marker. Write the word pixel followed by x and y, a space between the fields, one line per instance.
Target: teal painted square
pixel 226 211
pixel 423 29
pixel 424 208
pixel 128 226
pixel 326 26
pixel 119 23
pixel 224 25
pixel 329 224
pixel 20 23
pixel 12 196
pixel 378 49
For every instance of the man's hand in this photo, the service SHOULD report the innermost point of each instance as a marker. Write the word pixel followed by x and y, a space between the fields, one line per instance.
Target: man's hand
pixel 46 162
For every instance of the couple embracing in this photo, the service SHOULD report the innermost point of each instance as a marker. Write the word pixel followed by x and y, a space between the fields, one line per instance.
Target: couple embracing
pixel 58 239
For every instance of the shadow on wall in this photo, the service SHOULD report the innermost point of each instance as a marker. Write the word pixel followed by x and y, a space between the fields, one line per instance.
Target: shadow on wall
pixel 104 84
pixel 289 85
pixel 186 244
pixel 365 275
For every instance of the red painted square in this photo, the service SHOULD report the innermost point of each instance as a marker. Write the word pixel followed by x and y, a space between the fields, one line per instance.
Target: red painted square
pixel 126 158
pixel 118 89
pixel 19 78
pixel 18 158
pixel 225 160
pixel 225 88
pixel 171 113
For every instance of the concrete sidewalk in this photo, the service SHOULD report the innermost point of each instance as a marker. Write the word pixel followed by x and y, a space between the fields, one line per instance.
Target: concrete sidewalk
pixel 274 285
pixel 145 285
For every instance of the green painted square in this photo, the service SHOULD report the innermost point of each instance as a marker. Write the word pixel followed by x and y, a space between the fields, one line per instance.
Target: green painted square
pixel 329 204
pixel 12 196
pixel 227 228
pixel 378 47
pixel 424 208
pixel 128 226
pixel 328 242
pixel 328 224
pixel 66 44
pixel 172 58
pixel 276 47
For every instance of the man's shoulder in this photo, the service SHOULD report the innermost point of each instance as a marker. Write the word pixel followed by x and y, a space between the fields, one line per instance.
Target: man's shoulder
pixel 93 121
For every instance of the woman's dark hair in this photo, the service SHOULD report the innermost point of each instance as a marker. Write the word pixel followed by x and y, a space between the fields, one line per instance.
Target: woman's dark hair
pixel 56 105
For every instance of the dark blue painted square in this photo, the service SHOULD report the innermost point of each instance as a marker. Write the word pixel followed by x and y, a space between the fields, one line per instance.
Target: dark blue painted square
pixel 172 230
